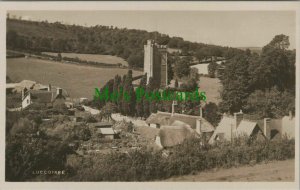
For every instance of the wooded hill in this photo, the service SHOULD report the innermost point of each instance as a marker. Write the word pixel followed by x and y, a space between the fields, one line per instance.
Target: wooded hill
pixel 126 43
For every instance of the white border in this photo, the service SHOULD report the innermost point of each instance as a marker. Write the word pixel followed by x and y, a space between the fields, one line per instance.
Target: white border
pixel 179 6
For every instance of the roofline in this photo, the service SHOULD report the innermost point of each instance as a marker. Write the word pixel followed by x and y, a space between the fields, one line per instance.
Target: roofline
pixel 179 114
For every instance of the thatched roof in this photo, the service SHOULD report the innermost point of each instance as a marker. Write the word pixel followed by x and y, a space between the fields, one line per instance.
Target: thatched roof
pixel 206 127
pixel 227 125
pixel 165 118
pixel 174 135
pixel 161 118
pixel 246 128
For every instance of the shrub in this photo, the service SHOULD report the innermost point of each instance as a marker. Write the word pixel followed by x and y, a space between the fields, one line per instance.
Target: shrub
pixel 191 156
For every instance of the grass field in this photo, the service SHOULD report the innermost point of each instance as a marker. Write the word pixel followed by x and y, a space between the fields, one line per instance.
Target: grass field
pixel 109 59
pixel 212 87
pixel 78 80
pixel 273 171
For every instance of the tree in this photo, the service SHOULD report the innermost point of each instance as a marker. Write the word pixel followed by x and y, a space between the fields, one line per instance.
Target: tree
pixel 128 95
pixel 235 81
pixel 189 85
pixel 11 39
pixel 27 151
pixel 278 42
pixel 194 74
pixel 200 55
pixel 121 98
pixel 211 113
pixel 116 86
pixel 139 103
pixel 146 103
pixel 176 83
pixel 136 61
pixel 271 103
pixel 275 66
pixel 59 57
pixel 170 71
pixel 107 110
pixel 182 68
pixel 212 68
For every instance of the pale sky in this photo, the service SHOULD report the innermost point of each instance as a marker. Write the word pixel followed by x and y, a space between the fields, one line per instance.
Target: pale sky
pixel 226 28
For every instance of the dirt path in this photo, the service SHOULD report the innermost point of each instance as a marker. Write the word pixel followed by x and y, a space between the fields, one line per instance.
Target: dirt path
pixel 272 171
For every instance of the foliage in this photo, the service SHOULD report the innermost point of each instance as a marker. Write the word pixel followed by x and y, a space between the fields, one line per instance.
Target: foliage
pixel 147 165
pixel 249 80
pixel 29 150
pixel 107 110
pixel 176 83
pixel 181 68
pixel 211 113
pixel 235 81
pixel 212 68
pixel 271 103
pixel 140 103
pixel 59 57
pixel 126 43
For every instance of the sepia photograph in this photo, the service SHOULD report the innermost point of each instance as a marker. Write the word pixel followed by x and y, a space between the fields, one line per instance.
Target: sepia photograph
pixel 151 95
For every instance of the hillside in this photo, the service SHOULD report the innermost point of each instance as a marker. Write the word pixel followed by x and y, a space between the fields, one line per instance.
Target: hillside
pixel 106 40
pixel 78 80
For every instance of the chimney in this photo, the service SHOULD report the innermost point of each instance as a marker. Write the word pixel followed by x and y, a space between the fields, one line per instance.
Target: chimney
pixel 24 90
pixel 198 126
pixel 238 117
pixel 200 111
pixel 267 127
pixel 23 94
pixel 173 107
pixel 290 115
pixel 59 91
pixel 49 87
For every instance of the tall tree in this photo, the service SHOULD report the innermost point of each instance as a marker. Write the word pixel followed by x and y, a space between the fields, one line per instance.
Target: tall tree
pixel 212 68
pixel 128 95
pixel 140 102
pixel 274 67
pixel 235 81
pixel 182 68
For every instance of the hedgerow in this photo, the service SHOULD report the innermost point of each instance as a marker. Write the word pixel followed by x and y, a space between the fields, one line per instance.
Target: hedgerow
pixel 191 156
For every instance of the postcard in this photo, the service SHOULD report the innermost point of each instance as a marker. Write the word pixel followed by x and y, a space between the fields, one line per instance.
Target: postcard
pixel 150 95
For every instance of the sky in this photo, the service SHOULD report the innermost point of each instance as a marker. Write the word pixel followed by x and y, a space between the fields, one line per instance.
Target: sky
pixel 226 28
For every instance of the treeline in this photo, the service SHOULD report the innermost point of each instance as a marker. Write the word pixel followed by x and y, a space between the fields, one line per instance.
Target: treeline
pixel 77 60
pixel 123 86
pixel 261 85
pixel 126 43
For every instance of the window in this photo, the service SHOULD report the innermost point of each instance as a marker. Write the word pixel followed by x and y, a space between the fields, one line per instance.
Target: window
pixel 219 136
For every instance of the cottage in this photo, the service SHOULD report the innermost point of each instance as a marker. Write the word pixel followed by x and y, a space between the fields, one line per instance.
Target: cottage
pixel 45 97
pixel 232 127
pixel 277 128
pixel 171 135
pixel 101 125
pixel 288 126
pixel 175 128
pixel 106 133
pixel 197 123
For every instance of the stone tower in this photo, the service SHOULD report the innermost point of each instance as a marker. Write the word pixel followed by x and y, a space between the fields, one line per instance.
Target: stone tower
pixel 155 63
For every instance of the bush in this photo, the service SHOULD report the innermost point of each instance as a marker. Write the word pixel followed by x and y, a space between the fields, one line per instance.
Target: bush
pixel 191 156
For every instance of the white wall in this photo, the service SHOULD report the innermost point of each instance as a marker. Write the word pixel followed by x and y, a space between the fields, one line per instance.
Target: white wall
pixel 26 101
